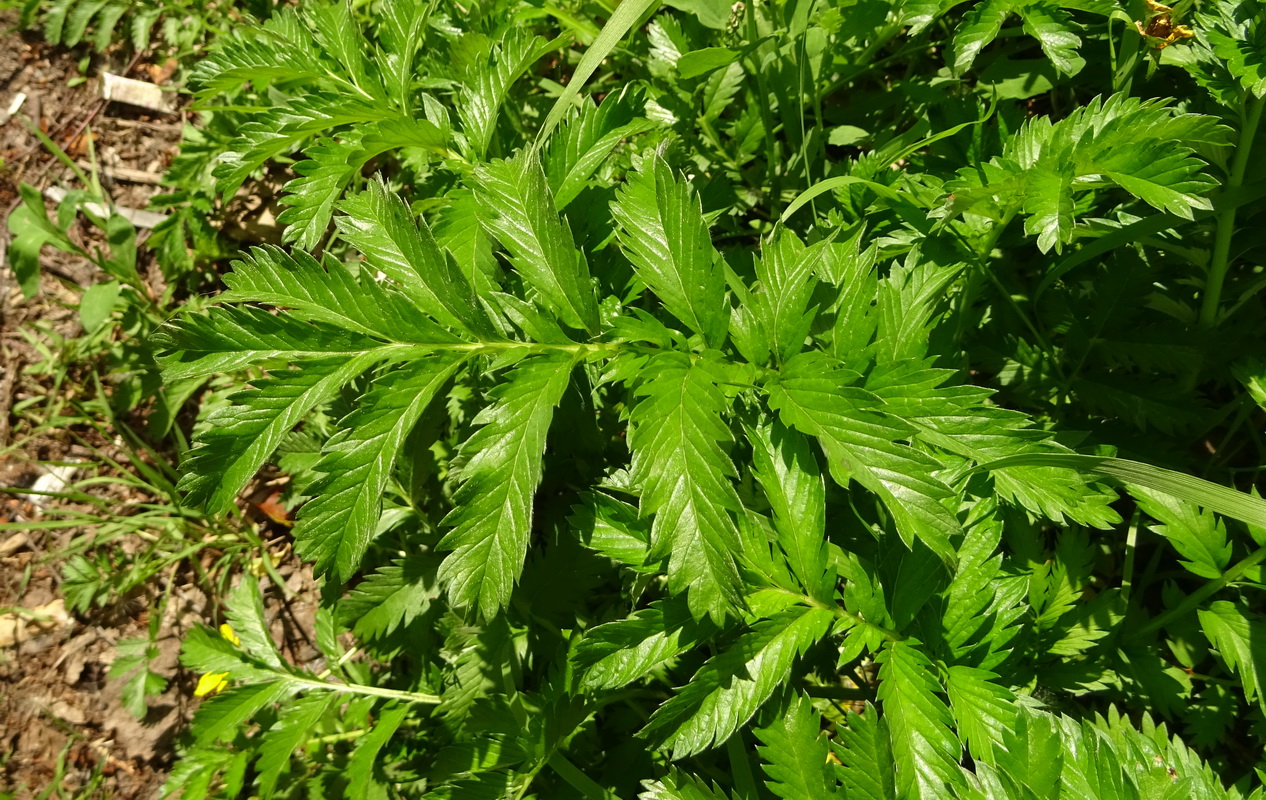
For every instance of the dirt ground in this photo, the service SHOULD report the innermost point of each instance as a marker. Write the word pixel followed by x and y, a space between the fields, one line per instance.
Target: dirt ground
pixel 64 731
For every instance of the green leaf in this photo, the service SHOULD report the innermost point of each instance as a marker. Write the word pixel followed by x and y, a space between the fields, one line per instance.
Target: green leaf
pixel 925 750
pixel 661 228
pixel 391 597
pixel 613 528
pixel 581 145
pixel 335 527
pixel 492 514
pixel 794 755
pixel 980 26
pixel 222 717
pixel 814 395
pixel 1053 30
pixel 730 687
pixel 241 436
pixel 621 21
pixel 787 274
pixel 361 774
pixel 228 339
pixel 1197 535
pixel 983 710
pixel 866 764
pixel 1224 500
pixel 96 305
pixel 1240 638
pixel 245 612
pixel 677 785
pixel 517 207
pixel 334 296
pixel 479 103
pixel 293 727
pixel 680 444
pixel 379 224
pixel 787 470
pixel 618 653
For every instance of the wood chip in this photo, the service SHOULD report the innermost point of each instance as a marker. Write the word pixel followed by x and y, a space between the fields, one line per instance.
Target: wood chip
pixel 135 93
pixel 13 544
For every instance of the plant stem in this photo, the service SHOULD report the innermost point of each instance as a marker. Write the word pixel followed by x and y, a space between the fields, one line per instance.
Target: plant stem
pixel 1221 260
pixel 577 779
pixel 740 769
pixel 358 688
pixel 1197 597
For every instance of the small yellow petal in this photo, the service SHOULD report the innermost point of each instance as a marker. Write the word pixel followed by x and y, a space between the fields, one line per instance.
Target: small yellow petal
pixel 226 630
pixel 211 683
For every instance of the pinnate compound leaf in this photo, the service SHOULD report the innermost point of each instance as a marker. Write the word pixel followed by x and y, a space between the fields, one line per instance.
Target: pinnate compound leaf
pixel 492 514
pixel 731 686
pixel 335 527
pixel 660 225
pixel 516 205
pixel 230 338
pixel 245 612
pixel 221 717
pixel 794 755
pixel 391 597
pixel 925 749
pixel 1240 638
pixel 815 396
pixel 680 443
pixel 379 224
pixel 240 437
pixel 293 727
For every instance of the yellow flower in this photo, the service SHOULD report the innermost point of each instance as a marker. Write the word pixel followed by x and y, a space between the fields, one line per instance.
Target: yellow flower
pixel 213 682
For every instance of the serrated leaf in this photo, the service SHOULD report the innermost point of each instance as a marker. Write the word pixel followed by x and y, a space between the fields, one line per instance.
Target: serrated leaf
pixel 293 727
pixel 516 205
pixel 730 687
pixel 492 515
pixel 787 274
pixel 660 225
pixel 479 103
pixel 379 224
pixel 361 773
pixel 866 765
pixel 391 597
pixel 979 27
pixel 814 395
pixel 245 612
pixel 312 292
pixel 617 653
pixel 580 146
pixel 677 785
pixel 924 748
pixel 1053 30
pixel 681 464
pixel 1196 533
pixel 241 436
pixel 222 717
pixel 335 527
pixel 794 755
pixel 1240 638
pixel 787 470
pixel 983 710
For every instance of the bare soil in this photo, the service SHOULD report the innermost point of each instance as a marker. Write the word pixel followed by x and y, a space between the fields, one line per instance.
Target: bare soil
pixel 62 722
